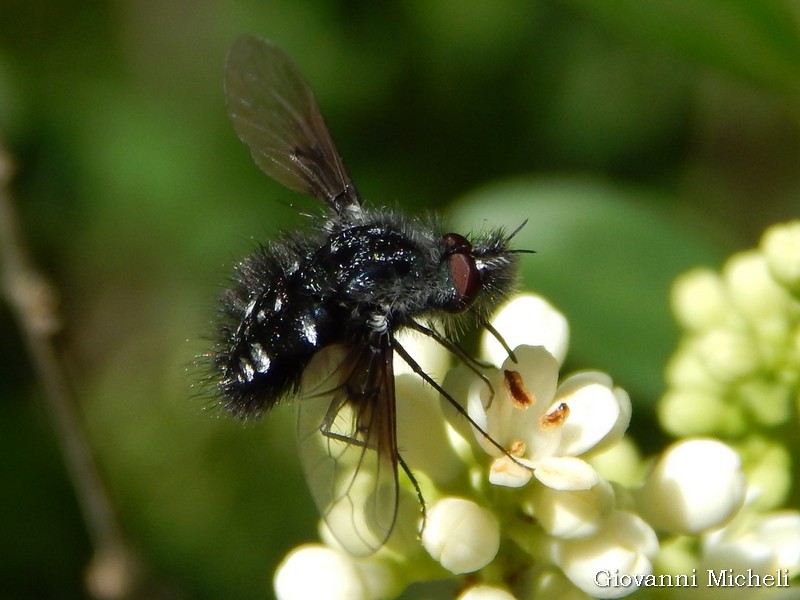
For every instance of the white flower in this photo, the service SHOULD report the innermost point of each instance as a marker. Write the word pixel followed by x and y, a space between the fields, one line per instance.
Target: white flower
pixel 316 571
pixel 461 535
pixel 609 564
pixel 696 485
pixel 544 425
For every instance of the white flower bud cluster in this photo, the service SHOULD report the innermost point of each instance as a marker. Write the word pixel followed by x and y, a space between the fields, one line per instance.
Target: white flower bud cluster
pixel 541 495
pixel 736 376
pixel 736 373
pixel 737 370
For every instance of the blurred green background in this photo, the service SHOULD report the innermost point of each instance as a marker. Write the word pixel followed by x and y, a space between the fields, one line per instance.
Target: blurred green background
pixel 639 139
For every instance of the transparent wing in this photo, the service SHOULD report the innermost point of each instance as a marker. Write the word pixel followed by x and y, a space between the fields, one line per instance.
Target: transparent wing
pixel 275 114
pixel 346 438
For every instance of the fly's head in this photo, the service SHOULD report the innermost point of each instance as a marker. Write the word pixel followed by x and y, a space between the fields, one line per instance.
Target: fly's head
pixel 482 272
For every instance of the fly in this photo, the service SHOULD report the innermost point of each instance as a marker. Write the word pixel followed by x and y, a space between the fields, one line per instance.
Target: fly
pixel 328 301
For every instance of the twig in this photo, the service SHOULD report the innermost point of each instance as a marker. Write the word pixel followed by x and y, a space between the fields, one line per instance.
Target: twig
pixel 115 571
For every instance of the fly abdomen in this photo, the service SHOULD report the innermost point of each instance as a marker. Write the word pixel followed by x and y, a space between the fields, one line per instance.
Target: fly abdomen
pixel 270 332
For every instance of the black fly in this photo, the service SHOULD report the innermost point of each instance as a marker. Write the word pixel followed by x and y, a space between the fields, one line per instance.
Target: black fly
pixel 337 293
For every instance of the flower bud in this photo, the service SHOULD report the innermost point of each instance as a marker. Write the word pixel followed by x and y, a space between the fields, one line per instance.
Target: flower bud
pixel 768 464
pixel 423 429
pixel 484 592
pixel 766 544
pixel 620 463
pixel 729 355
pixel 551 583
pixel 696 485
pixel 527 320
pixel 685 369
pixel 316 571
pixel 607 564
pixel 699 300
pixel 755 292
pixel 685 412
pixel 427 352
pixel 571 514
pixel 462 536
pixel 781 247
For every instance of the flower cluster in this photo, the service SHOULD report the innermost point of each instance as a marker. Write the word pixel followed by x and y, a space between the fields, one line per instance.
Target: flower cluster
pixel 533 490
pixel 737 369
pixel 736 376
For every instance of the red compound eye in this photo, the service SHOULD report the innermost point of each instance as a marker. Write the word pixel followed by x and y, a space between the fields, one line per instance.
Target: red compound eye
pixel 466 277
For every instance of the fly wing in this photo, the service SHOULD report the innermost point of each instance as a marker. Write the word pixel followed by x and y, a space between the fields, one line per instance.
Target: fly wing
pixel 346 438
pixel 275 114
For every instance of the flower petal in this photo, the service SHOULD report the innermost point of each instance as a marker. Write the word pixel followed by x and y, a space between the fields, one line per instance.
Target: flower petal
pixel 537 369
pixel 507 473
pixel 468 390
pixel 595 411
pixel 565 473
